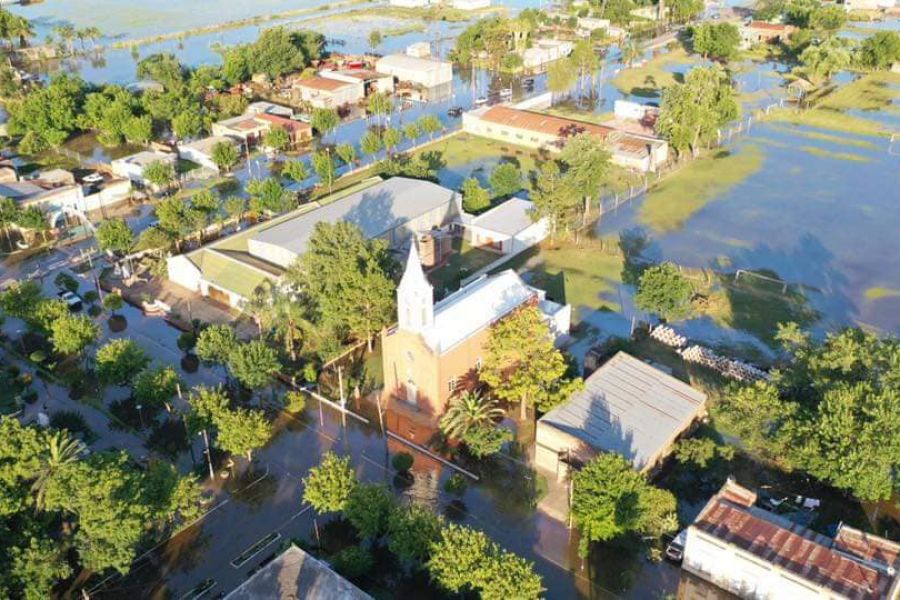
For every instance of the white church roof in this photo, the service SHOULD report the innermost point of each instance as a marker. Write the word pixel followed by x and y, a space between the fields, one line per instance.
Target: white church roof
pixel 476 306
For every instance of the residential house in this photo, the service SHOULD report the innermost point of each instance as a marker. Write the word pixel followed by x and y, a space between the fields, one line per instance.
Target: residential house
pixel 296 574
pixel 228 270
pixel 201 151
pixel 436 348
pixel 544 52
pixel 60 196
pixel 419 50
pixel 250 128
pixel 263 107
pixel 541 131
pixel 132 167
pixel 329 92
pixel 754 553
pixel 761 32
pixel 425 72
pixel 588 25
pixel 373 82
pixel 507 228
pixel 626 406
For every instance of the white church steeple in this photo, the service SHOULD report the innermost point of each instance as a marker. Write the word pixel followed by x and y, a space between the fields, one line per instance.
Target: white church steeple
pixel 415 296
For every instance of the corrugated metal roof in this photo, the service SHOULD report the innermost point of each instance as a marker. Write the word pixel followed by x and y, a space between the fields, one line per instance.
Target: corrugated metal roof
pixel 628 407
pixel 854 565
pixel 375 210
pixel 508 218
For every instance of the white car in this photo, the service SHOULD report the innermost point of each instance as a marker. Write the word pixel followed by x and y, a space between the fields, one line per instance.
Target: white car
pixel 93 178
pixel 72 300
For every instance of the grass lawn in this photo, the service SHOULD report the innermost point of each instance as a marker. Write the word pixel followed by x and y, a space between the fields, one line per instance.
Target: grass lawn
pixel 463 148
pixel 651 77
pixel 683 194
pixel 875 91
pixel 567 111
pixel 464 261
pixel 827 137
pixel 757 306
pixel 870 92
pixel 578 274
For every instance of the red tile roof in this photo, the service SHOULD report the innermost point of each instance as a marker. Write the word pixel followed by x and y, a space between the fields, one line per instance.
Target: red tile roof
pixel 769 26
pixel 289 124
pixel 846 565
pixel 541 123
pixel 322 83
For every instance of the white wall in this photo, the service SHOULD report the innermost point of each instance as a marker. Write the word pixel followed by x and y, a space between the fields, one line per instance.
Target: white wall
pixel 183 272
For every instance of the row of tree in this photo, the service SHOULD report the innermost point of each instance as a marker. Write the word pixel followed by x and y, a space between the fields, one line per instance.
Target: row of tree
pixel 459 559
pixel 61 509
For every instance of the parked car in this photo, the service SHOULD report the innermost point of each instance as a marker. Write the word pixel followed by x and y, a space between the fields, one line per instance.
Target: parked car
pixel 93 178
pixel 455 111
pixel 72 300
pixel 675 549
pixel 481 101
pixel 506 93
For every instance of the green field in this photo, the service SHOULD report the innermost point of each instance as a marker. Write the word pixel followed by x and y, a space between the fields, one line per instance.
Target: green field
pixel 651 77
pixel 683 194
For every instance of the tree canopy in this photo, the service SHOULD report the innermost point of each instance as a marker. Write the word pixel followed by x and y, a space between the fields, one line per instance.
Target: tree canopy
pixel 610 499
pixel 664 291
pixel 115 235
pixel 346 279
pixel 830 411
pixel 522 365
pixel 328 486
pixel 719 41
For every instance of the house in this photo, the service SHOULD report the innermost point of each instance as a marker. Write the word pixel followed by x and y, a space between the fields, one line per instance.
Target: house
pixel 437 347
pixel 263 107
pixel 471 4
pixel 588 25
pixel 230 269
pixel 507 228
pixel 761 32
pixel 372 80
pixel 132 167
pixel 426 72
pixel 329 92
pixel 419 50
pixel 250 128
pixel 754 553
pixel 626 406
pixel 296 574
pixel 851 5
pixel 541 131
pixel 544 52
pixel 59 195
pixel 201 151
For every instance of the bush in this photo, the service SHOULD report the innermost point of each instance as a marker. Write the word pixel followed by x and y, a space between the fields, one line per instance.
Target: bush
pixel 72 421
pixel 294 401
pixel 186 341
pixel 94 310
pixel 402 462
pixel 353 562
pixel 91 296
pixel 456 484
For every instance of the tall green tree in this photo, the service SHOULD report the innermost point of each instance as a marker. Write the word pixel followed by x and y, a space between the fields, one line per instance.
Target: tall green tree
pixel 347 280
pixel 822 60
pixel 114 235
pixel 216 343
pixel 253 364
pixel 325 167
pixel 156 387
pixel 475 197
pixel 295 170
pixel 72 334
pixel 522 365
pixel 506 180
pixel 664 291
pixel 553 198
pixel 159 174
pixel 277 138
pixel 242 431
pixel 327 487
pixel 610 499
pixel 692 112
pixel 347 153
pixel 61 450
pixel 719 41
pixel 119 360
pixel 324 120
pixel 881 50
pixel 380 105
pixel 368 509
pixel 588 162
pixel 430 124
pixel 225 155
pixel 370 143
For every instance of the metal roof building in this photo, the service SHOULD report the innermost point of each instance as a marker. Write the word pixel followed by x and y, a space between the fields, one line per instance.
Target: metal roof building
pixel 627 407
pixel 296 574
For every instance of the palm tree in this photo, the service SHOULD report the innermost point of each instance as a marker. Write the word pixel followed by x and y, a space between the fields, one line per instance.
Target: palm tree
pixel 631 51
pixel 62 450
pixel 467 411
pixel 290 319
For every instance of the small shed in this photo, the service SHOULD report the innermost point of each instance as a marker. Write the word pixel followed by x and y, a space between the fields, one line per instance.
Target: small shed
pixel 627 406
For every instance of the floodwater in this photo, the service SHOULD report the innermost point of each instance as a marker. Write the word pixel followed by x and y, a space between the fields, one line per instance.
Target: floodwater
pixel 822 213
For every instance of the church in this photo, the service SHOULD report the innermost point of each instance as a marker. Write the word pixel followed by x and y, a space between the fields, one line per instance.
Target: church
pixel 436 349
